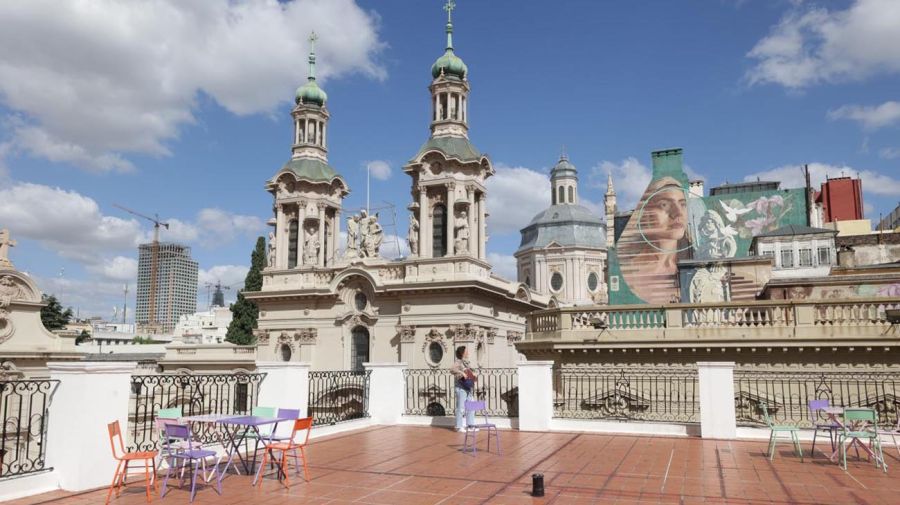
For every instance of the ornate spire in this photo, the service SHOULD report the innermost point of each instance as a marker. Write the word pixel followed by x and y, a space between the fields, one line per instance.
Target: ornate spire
pixel 312 56
pixel 449 6
pixel 609 185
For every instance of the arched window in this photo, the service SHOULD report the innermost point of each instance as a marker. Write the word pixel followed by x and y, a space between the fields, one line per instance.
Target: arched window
pixel 571 194
pixel 292 243
pixel 562 195
pixel 359 348
pixel 552 197
pixel 439 231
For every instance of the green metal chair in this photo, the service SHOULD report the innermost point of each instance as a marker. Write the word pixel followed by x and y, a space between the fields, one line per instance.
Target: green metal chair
pixel 778 429
pixel 264 431
pixel 861 424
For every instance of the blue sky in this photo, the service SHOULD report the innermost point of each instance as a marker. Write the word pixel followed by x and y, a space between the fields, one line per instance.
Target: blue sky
pixel 182 108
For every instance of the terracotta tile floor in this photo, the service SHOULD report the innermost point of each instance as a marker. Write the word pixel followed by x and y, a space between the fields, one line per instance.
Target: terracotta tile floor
pixel 404 465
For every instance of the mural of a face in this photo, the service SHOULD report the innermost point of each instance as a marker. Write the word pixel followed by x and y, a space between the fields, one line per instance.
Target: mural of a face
pixel 653 241
pixel 663 220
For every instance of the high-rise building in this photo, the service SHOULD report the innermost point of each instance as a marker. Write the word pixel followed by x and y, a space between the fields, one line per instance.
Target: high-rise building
pixel 841 199
pixel 176 287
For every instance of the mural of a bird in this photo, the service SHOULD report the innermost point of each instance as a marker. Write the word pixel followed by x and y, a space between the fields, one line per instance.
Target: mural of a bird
pixel 731 213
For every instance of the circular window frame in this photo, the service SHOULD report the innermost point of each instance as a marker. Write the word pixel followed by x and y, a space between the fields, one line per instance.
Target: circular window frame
pixel 562 282
pixel 596 277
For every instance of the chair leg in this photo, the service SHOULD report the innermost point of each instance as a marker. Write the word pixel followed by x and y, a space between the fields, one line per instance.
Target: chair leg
pixel 147 476
pixel 283 469
pixel 194 465
pixel 305 469
pixel 796 437
pixel 258 478
pixel 497 434
pixel 115 483
pixel 812 451
pixel 169 469
pixel 772 446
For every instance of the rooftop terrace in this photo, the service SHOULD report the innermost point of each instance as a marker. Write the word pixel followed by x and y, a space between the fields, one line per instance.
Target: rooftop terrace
pixel 400 465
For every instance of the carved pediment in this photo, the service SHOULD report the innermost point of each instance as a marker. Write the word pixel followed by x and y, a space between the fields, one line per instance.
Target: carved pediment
pixel 306 335
pixel 351 319
pixel 407 332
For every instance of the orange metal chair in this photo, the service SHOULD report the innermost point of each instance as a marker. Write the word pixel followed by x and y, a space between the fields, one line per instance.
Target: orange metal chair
pixel 285 447
pixel 126 458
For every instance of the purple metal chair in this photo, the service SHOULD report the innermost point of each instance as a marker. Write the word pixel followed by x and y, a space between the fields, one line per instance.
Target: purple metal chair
pixel 179 448
pixel 475 406
pixel 831 427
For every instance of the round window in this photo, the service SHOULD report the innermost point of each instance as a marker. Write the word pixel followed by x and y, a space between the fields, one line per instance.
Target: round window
pixel 285 352
pixel 556 281
pixel 435 353
pixel 593 280
pixel 361 301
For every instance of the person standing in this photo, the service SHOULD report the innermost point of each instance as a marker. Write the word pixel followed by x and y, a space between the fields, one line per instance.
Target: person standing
pixel 464 385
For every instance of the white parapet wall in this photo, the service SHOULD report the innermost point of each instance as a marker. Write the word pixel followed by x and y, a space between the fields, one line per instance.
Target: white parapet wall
pixel 387 389
pixel 286 385
pixel 717 418
pixel 535 395
pixel 90 396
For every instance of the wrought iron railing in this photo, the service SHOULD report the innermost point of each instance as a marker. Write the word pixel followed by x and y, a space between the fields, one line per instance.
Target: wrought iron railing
pixel 338 395
pixel 627 394
pixel 432 392
pixel 197 394
pixel 787 395
pixel 23 405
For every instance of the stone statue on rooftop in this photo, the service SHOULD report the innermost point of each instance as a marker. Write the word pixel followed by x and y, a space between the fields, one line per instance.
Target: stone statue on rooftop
pixel 5 244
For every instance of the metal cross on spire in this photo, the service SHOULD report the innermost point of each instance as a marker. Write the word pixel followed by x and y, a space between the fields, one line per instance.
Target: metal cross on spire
pixel 312 55
pixel 449 6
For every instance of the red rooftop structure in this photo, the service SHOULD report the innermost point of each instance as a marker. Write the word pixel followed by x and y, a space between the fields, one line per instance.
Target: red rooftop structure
pixel 841 199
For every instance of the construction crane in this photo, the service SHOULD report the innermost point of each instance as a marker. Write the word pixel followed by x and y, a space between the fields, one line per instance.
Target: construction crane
pixel 219 297
pixel 154 260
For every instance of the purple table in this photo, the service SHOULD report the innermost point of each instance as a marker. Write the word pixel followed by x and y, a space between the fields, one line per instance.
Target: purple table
pixel 233 425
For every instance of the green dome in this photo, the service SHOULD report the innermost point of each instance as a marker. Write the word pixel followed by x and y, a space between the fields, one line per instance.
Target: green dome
pixel 451 64
pixel 311 93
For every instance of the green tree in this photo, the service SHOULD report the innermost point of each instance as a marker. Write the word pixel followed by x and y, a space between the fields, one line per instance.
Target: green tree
pixel 52 315
pixel 82 337
pixel 245 313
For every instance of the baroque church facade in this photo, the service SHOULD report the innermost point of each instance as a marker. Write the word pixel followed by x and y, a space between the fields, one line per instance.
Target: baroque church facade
pixel 338 309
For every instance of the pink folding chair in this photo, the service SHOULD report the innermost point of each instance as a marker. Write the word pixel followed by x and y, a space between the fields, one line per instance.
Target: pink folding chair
pixel 475 406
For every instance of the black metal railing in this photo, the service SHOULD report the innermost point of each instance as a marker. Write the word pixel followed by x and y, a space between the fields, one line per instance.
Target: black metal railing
pixel 338 395
pixel 197 394
pixel 627 394
pixel 23 405
pixel 787 395
pixel 432 392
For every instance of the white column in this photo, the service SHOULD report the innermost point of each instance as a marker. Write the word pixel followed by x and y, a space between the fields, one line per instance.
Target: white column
pixel 335 234
pixel 535 395
pixel 90 395
pixel 286 385
pixel 280 233
pixel 301 233
pixel 717 418
pixel 386 392
pixel 482 227
pixel 434 113
pixel 470 214
pixel 424 224
pixel 321 235
pixel 451 217
pixel 324 135
pixel 296 131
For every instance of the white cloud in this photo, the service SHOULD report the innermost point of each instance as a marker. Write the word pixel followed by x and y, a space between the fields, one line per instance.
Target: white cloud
pixel 868 209
pixel 117 78
pixel 889 153
pixel 791 176
pixel 229 275
pixel 394 246
pixel 119 268
pixel 630 179
pixel 812 45
pixel 379 169
pixel 870 117
pixel 515 195
pixel 86 297
pixel 218 226
pixel 503 265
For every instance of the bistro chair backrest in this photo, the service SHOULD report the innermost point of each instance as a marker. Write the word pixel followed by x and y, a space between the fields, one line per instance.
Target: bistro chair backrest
pixel 176 433
pixel 815 406
pixel 115 432
pixel 289 413
pixel 475 406
pixel 765 413
pixel 171 413
pixel 301 425
pixel 263 411
pixel 860 416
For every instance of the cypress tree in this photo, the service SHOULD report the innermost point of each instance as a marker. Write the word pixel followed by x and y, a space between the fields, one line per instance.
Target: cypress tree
pixel 245 313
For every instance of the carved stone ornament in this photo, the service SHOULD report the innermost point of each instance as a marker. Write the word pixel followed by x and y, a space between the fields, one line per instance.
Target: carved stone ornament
pixel 513 336
pixel 9 371
pixel 262 337
pixel 306 336
pixel 465 332
pixel 286 339
pixel 491 335
pixel 407 332
pixel 434 335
